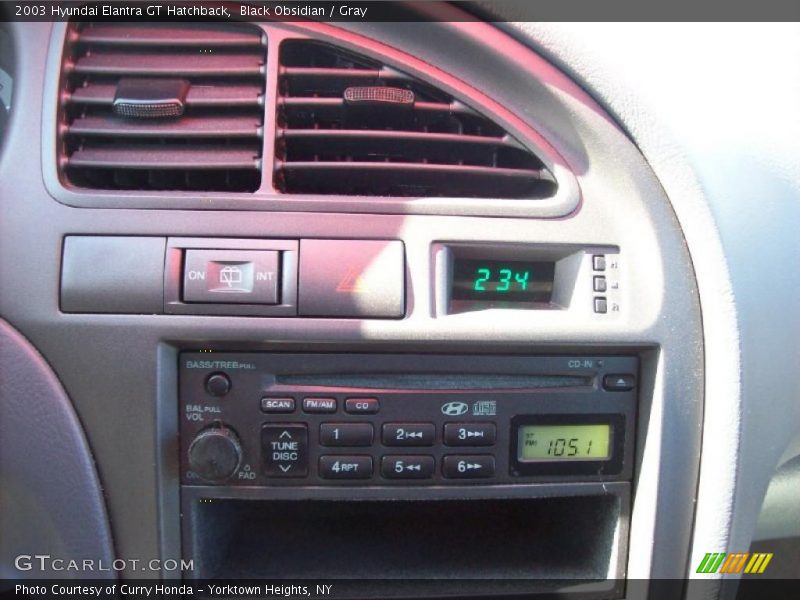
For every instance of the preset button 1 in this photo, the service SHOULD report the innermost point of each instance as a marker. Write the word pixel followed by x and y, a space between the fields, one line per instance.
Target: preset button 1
pixel 346 434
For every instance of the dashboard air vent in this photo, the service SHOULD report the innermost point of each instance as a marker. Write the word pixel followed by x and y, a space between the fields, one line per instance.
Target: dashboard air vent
pixel 163 106
pixel 352 126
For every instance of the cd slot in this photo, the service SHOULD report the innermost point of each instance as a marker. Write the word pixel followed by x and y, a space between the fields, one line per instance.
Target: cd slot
pixel 427 381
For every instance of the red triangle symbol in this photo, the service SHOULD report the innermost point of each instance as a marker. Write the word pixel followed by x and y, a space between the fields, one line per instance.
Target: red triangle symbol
pixel 352 282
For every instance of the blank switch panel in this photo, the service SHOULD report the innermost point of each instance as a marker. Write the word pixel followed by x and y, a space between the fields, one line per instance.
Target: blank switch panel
pixel 103 274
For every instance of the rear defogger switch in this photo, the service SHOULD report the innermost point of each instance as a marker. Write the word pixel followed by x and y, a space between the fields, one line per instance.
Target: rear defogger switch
pixel 352 278
pixel 218 276
pixel 241 276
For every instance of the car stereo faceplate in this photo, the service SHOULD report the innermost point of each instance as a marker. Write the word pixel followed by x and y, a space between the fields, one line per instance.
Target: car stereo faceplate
pixel 404 420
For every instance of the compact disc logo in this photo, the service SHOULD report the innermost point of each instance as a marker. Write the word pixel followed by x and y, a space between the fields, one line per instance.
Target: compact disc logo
pixel 454 409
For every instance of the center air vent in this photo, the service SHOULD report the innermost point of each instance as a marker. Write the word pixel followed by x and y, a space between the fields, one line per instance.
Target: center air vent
pixel 163 106
pixel 352 126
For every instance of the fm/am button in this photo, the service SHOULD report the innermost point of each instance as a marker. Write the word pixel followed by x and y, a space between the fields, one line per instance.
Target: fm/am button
pixel 231 276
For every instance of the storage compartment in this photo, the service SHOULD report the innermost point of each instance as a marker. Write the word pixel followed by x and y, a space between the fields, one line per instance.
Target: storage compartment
pixel 541 543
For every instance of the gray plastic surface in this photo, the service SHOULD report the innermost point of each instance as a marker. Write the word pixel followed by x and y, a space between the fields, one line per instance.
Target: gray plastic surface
pixel 726 155
pixel 113 274
pixel 51 502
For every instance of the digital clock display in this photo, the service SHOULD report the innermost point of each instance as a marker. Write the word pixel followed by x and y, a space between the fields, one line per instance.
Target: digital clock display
pixel 564 442
pixel 500 281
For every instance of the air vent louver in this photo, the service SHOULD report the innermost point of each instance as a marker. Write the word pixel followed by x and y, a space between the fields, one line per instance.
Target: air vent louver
pixel 214 143
pixel 337 134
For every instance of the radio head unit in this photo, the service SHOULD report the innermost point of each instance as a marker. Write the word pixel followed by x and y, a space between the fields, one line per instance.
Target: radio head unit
pixel 398 420
pixel 424 467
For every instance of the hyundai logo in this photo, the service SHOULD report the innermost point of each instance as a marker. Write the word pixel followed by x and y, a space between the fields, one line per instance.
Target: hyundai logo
pixel 453 409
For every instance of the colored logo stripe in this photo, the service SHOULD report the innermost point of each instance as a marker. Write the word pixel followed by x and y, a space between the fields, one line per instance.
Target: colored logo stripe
pixel 711 562
pixel 733 563
pixel 758 563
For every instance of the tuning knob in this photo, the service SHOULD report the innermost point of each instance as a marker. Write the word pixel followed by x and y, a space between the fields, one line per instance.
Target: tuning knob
pixel 215 454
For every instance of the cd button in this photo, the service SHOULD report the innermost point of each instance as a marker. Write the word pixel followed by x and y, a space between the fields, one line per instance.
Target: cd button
pixel 361 406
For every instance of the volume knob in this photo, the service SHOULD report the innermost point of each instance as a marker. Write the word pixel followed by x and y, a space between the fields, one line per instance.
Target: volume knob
pixel 215 454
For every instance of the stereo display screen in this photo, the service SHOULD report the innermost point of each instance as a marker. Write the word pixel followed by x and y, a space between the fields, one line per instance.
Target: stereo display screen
pixel 564 442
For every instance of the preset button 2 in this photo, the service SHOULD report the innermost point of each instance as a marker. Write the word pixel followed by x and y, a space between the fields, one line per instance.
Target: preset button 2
pixel 408 434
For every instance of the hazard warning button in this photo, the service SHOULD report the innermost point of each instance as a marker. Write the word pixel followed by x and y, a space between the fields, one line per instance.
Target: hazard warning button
pixel 351 278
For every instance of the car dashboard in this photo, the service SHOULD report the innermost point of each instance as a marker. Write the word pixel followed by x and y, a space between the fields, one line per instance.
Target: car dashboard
pixel 458 305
